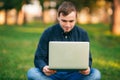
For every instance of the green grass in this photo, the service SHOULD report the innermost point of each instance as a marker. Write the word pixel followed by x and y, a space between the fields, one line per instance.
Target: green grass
pixel 18 45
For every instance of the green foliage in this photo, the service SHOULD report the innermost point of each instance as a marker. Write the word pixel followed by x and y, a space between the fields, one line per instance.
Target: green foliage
pixel 18 45
pixel 9 4
pixel 42 2
pixel 78 3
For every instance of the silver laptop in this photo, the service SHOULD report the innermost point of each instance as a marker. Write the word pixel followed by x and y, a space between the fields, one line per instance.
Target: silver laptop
pixel 68 55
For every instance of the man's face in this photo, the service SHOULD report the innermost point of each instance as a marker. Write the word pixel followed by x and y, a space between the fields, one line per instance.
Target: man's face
pixel 67 22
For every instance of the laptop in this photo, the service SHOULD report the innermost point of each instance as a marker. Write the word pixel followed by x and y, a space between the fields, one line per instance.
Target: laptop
pixel 68 55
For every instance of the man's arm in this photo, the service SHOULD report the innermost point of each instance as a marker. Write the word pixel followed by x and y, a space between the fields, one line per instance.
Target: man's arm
pixel 41 55
pixel 39 60
pixel 86 38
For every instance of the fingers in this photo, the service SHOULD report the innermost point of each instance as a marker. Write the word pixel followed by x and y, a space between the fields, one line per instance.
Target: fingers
pixel 47 71
pixel 85 72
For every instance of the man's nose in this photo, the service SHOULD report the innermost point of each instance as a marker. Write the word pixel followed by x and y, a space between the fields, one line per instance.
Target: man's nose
pixel 68 24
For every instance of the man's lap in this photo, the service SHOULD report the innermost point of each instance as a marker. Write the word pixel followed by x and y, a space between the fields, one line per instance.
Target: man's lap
pixel 36 74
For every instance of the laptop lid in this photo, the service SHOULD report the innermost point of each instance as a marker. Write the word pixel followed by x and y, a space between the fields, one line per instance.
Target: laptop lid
pixel 68 55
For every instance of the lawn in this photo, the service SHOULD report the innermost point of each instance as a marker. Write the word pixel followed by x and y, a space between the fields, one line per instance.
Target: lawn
pixel 18 45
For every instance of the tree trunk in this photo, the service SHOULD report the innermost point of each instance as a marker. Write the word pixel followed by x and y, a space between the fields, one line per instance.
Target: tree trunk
pixel 20 17
pixel 5 17
pixel 116 17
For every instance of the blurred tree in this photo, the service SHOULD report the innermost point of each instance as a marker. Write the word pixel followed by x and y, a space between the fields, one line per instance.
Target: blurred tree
pixel 10 4
pixel 116 17
pixel 19 4
pixel 42 3
pixel 79 3
pixel 6 5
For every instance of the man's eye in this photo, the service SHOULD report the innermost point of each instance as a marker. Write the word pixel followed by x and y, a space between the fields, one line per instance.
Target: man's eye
pixel 71 21
pixel 64 20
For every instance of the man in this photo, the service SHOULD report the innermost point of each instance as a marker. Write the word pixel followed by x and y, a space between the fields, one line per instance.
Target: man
pixel 65 30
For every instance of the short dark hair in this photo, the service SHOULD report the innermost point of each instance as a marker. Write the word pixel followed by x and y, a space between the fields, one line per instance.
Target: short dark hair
pixel 66 8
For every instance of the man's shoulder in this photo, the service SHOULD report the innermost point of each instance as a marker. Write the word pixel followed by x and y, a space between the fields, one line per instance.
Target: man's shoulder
pixel 80 29
pixel 51 28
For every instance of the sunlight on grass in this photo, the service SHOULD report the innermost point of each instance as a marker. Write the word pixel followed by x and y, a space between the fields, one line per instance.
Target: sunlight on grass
pixel 108 33
pixel 30 30
pixel 108 63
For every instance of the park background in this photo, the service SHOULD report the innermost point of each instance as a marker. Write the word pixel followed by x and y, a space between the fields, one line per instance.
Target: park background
pixel 23 21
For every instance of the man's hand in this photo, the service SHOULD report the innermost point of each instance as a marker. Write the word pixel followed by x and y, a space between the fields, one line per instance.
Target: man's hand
pixel 85 72
pixel 47 71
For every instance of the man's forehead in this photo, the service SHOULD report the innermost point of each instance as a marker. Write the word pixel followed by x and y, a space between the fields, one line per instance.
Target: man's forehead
pixel 72 13
pixel 71 16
